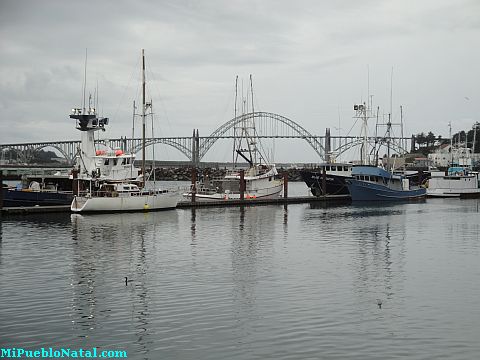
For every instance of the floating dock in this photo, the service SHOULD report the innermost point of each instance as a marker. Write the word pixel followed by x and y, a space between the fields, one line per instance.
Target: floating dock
pixel 197 204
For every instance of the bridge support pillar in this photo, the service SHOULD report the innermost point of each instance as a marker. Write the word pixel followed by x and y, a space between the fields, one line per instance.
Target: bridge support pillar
pixel 195 148
pixel 328 145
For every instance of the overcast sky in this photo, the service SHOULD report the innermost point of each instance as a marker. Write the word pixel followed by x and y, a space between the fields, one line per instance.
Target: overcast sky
pixel 309 61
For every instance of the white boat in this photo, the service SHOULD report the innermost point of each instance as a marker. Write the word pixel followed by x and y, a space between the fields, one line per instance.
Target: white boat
pixel 112 196
pixel 457 182
pixel 260 183
pixel 261 180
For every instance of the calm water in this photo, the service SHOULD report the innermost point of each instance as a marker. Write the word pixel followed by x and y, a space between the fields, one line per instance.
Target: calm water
pixel 263 282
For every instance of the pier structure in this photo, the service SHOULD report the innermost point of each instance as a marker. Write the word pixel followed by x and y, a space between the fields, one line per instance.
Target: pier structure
pixel 195 147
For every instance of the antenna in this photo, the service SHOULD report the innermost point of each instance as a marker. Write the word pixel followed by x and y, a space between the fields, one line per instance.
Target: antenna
pixel 84 80
pixel 391 91
pixel 368 84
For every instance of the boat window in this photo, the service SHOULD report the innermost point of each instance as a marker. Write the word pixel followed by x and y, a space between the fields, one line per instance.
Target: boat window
pixel 107 161
pixel 115 161
pixel 270 178
pixel 124 161
pixel 334 168
pixel 327 168
pixel 128 161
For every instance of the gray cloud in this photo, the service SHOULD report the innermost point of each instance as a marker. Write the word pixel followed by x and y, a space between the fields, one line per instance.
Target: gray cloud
pixel 309 60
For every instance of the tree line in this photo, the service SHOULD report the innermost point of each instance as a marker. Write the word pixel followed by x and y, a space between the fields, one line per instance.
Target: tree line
pixel 428 142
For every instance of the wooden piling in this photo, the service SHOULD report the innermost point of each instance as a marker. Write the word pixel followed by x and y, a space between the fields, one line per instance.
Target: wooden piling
pixel 324 181
pixel 1 189
pixel 75 188
pixel 242 184
pixel 285 185
pixel 194 183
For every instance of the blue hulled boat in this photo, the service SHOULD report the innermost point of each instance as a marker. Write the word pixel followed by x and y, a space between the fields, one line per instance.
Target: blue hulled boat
pixel 370 183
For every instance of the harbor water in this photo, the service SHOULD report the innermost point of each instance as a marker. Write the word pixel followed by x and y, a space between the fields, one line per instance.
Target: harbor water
pixel 266 282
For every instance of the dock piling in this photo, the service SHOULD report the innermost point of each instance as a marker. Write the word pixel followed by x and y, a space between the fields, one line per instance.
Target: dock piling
pixel 324 181
pixel 194 183
pixel 285 185
pixel 75 182
pixel 242 184
pixel 1 189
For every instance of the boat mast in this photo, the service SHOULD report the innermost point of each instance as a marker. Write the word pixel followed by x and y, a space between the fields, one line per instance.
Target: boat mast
pixel 234 156
pixel 253 139
pixel 143 118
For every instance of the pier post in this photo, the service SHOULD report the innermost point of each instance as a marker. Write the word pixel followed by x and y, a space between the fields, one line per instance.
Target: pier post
pixel 242 184
pixel 194 183
pixel 324 181
pixel 285 184
pixel 1 189
pixel 75 182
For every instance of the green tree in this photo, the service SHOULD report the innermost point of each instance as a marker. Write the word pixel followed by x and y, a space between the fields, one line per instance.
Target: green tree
pixel 430 139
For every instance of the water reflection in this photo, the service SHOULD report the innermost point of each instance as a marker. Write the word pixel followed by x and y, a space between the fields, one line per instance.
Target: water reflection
pixel 251 249
pixel 107 251
pixel 381 251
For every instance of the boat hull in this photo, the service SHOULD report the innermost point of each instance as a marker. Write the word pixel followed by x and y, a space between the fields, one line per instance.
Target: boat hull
pixel 19 198
pixel 453 186
pixel 366 191
pixel 151 202
pixel 447 193
pixel 265 193
pixel 334 184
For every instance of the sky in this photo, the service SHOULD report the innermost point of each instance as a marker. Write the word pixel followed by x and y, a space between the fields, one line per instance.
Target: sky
pixel 310 62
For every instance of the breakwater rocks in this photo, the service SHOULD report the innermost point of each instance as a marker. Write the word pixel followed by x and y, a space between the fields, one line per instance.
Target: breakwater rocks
pixel 185 173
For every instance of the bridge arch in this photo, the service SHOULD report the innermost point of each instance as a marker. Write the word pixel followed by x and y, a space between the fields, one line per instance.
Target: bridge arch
pixel 62 151
pixel 182 147
pixel 262 116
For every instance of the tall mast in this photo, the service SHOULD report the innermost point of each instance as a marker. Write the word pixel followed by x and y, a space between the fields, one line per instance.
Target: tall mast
pixel 254 130
pixel 84 80
pixel 234 131
pixel 143 117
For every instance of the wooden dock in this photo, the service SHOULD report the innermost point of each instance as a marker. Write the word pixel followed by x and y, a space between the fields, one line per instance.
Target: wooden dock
pixel 188 204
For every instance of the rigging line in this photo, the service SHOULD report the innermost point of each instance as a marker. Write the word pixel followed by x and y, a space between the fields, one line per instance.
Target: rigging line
pixel 355 123
pixel 159 96
pixel 125 89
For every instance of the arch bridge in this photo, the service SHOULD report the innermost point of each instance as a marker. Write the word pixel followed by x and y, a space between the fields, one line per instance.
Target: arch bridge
pixel 268 126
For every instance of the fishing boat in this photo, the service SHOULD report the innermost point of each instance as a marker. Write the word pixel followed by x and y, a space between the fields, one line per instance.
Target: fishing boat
pixel 335 175
pixel 120 195
pixel 457 181
pixel 260 177
pixel 374 183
